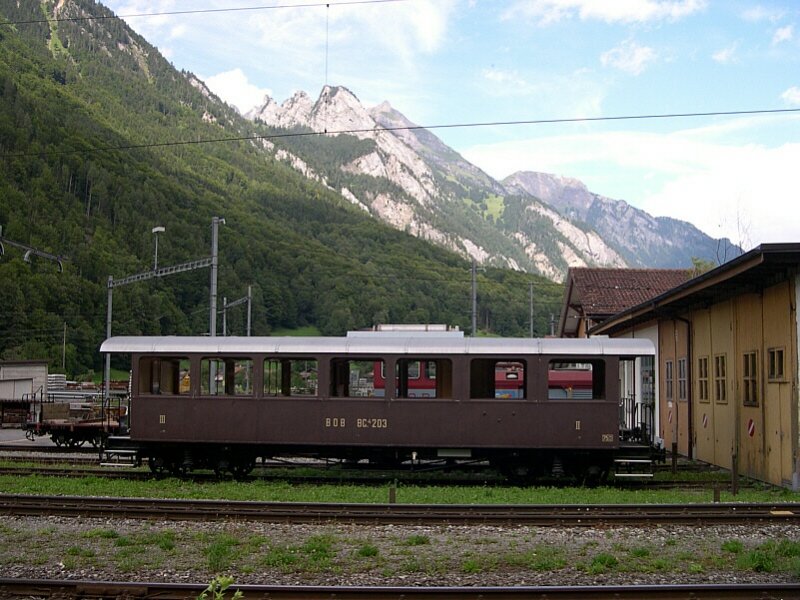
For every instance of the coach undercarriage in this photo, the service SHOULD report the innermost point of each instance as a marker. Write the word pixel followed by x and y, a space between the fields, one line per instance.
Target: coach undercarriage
pixel 586 467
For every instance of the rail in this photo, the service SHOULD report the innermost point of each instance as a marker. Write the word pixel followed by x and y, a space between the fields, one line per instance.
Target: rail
pixel 294 512
pixel 46 588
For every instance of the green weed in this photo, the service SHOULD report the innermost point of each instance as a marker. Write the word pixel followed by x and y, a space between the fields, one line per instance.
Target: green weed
pixel 733 546
pixel 471 566
pixel 217 589
pixel 602 563
pixel 105 534
pixel 417 540
pixel 759 560
pixel 219 553
pixel 367 551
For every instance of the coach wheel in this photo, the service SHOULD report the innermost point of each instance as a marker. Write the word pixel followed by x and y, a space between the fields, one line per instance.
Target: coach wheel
pixel 30 434
pixel 59 439
pixel 516 471
pixel 221 467
pixel 242 467
pixel 97 440
pixel 157 465
pixel 594 476
pixel 178 469
pixel 74 442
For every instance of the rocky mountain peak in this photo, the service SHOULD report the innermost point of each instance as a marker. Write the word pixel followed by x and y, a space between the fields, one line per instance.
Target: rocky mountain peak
pixel 534 221
pixel 338 109
pixel 567 195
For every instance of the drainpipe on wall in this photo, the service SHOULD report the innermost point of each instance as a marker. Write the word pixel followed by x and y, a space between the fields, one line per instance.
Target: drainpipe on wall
pixel 796 390
pixel 690 424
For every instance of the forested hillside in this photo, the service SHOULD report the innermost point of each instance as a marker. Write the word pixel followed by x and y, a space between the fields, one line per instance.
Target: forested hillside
pixel 99 143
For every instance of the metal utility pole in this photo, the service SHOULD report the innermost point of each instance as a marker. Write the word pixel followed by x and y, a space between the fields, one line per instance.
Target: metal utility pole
pixel 531 303
pixel 249 308
pixel 155 273
pixel 474 298
pixel 226 305
pixel 156 231
pixel 215 222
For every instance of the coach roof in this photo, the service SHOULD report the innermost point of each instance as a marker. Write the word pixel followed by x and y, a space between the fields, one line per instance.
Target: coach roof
pixel 419 345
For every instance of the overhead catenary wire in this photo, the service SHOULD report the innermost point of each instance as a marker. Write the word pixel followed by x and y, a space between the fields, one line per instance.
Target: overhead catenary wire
pixel 466 125
pixel 199 11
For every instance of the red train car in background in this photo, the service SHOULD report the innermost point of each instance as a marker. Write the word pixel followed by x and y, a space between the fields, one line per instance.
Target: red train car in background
pixel 567 381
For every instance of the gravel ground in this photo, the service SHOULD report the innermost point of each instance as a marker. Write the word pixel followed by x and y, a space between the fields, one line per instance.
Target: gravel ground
pixel 333 554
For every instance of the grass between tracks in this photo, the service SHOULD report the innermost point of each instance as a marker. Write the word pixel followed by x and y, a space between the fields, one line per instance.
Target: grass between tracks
pixel 312 555
pixel 401 555
pixel 278 491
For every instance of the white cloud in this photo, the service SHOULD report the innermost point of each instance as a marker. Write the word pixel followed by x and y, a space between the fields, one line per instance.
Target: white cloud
pixel 629 57
pixel 744 193
pixel 792 96
pixel 760 13
pixel 783 34
pixel 614 11
pixel 726 55
pixel 576 94
pixel 418 27
pixel 305 45
pixel 234 88
pixel 689 175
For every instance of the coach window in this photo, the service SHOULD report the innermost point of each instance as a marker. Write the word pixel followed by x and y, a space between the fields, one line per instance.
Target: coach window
pixel 226 376
pixel 575 381
pixel 163 375
pixel 290 377
pixel 423 378
pixel 356 378
pixel 497 378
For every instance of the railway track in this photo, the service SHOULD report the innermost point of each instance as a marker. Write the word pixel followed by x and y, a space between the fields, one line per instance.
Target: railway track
pixel 353 477
pixel 47 449
pixel 295 512
pixel 183 591
pixel 90 466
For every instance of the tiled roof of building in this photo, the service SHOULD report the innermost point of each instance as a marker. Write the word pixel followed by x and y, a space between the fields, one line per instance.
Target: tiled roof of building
pixel 605 292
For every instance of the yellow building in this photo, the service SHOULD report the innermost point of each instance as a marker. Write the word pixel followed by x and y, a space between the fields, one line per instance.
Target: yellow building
pixel 727 345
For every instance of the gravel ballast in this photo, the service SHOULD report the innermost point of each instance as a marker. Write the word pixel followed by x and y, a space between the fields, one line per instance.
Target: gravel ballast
pixel 392 555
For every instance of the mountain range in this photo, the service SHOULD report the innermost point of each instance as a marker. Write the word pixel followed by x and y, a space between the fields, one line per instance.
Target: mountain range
pixel 407 177
pixel 103 142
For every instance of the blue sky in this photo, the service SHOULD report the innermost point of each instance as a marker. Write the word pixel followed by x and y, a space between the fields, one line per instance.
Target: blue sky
pixel 462 61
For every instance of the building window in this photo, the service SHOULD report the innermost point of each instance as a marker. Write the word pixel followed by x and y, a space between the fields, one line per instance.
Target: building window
pixel 702 379
pixel 668 379
pixel 776 364
pixel 720 378
pixel 682 395
pixel 750 378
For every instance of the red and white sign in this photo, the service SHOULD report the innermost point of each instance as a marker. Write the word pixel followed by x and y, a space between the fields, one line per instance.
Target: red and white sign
pixel 705 420
pixel 751 427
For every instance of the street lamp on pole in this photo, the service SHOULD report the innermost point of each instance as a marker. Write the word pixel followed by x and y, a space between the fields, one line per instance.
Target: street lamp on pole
pixel 156 231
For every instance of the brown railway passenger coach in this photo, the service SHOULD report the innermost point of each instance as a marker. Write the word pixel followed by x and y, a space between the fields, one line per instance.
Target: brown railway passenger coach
pixel 222 403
